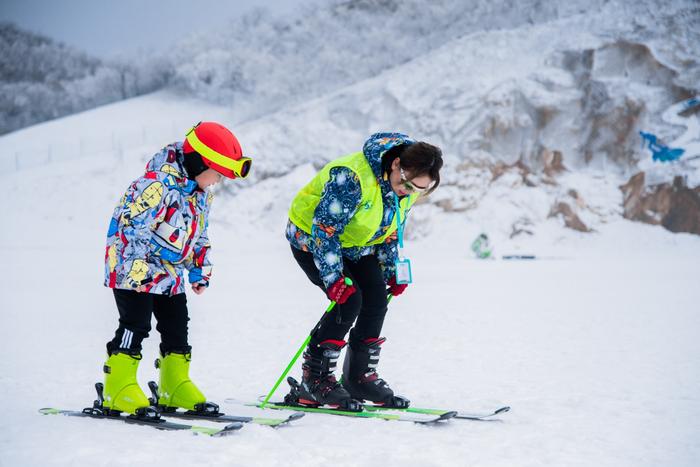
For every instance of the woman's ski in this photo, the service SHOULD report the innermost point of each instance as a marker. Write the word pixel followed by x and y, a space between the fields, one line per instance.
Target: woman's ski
pixel 485 416
pixel 422 419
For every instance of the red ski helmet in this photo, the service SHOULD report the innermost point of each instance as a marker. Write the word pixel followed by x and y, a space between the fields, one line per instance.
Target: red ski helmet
pixel 219 148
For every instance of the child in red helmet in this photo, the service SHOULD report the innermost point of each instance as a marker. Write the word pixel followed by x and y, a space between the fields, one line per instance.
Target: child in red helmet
pixel 159 230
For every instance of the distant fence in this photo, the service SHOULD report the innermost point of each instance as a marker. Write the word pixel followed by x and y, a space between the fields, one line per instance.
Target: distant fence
pixel 21 154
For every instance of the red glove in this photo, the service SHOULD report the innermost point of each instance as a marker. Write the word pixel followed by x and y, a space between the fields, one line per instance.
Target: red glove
pixel 339 292
pixel 394 288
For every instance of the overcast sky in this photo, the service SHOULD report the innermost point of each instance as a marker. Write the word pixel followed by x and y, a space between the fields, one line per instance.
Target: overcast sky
pixel 104 28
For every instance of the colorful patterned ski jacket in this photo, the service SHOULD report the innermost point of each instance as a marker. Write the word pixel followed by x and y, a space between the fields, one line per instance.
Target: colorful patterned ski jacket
pixel 159 229
pixel 341 198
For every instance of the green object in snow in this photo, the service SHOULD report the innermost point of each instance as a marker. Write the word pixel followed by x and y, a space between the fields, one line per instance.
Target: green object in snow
pixel 481 246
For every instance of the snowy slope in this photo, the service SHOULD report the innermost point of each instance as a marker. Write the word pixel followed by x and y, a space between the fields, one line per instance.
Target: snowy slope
pixel 506 92
pixel 108 130
pixel 498 97
pixel 594 346
pixel 594 349
pixel 505 97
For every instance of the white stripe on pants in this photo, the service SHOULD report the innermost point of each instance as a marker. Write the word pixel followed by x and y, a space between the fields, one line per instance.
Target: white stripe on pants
pixel 126 339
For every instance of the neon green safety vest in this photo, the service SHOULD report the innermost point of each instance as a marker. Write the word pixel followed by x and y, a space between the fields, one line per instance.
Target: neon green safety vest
pixel 367 218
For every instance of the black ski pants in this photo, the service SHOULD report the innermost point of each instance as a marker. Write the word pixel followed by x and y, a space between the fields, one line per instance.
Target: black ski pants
pixel 366 308
pixel 135 310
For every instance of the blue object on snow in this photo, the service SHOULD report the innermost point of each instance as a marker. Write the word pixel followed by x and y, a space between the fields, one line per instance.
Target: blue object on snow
pixel 660 152
pixel 690 103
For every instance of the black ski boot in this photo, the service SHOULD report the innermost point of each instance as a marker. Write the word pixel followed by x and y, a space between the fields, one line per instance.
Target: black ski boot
pixel 318 384
pixel 360 376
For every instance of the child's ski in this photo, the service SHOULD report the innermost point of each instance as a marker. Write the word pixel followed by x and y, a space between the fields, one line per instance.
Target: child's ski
pixel 214 415
pixel 154 422
pixel 224 418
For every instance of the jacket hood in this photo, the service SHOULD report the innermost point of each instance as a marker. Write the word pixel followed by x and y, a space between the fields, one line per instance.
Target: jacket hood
pixel 375 147
pixel 170 161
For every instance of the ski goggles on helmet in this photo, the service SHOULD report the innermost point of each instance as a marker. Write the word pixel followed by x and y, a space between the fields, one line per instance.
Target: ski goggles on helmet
pixel 225 165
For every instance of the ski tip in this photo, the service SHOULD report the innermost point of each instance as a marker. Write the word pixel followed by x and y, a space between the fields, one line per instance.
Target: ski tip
pixel 279 422
pixel 49 411
pixel 440 418
pixel 233 426
pixel 485 417
pixel 226 431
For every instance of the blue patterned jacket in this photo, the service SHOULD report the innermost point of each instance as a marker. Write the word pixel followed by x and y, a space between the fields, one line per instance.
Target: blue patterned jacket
pixel 159 229
pixel 339 201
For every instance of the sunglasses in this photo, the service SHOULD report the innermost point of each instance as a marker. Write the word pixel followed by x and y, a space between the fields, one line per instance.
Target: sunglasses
pixel 409 185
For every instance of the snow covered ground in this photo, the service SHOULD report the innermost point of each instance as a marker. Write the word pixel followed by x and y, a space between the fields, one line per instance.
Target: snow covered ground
pixel 595 348
pixel 593 345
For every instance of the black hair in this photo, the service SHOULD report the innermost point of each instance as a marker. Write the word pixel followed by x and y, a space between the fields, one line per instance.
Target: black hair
pixel 417 159
pixel 194 165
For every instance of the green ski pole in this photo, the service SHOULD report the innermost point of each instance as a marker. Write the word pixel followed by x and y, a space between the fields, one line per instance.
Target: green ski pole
pixel 348 282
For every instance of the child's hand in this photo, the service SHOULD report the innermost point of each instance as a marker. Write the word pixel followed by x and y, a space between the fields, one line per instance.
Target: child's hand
pixel 199 288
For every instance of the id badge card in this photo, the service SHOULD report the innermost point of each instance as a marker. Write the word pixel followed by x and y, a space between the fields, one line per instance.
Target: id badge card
pixel 403 271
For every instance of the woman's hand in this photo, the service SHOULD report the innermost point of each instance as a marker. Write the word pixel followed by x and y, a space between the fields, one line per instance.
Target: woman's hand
pixel 340 291
pixel 394 288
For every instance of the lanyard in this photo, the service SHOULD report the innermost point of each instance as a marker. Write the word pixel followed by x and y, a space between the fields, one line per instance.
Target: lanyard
pixel 403 265
pixel 399 224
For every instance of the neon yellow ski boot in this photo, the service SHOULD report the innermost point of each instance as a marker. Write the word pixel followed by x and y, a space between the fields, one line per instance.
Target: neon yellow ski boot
pixel 175 389
pixel 121 391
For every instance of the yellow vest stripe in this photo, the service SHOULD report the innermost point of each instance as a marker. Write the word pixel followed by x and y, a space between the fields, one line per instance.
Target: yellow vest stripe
pixel 367 218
